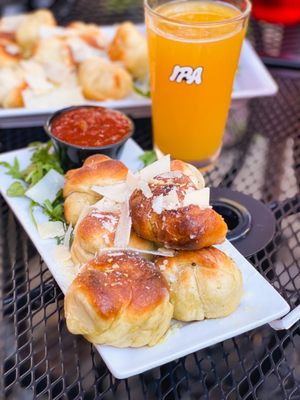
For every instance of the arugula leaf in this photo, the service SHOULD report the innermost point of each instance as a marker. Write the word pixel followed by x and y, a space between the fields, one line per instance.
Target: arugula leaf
pixel 16 189
pixel 31 207
pixel 34 173
pixel 148 157
pixel 59 239
pixel 13 170
pixel 43 159
pixel 141 92
pixel 55 210
pixel 34 144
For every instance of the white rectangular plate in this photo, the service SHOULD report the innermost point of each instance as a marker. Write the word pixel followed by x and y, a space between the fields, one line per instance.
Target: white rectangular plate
pixel 260 302
pixel 252 80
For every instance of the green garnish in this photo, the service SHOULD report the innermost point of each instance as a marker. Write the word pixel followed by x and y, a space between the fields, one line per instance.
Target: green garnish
pixel 141 92
pixel 55 210
pixel 43 159
pixel 13 170
pixel 148 157
pixel 59 239
pixel 31 207
pixel 16 189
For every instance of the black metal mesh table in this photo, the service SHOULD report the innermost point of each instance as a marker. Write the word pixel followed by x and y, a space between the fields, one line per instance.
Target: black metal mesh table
pixel 40 359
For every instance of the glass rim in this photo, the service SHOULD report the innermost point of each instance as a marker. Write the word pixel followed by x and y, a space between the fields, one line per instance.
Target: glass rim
pixel 244 14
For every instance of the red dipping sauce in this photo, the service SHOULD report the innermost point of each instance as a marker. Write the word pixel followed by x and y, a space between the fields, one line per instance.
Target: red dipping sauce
pixel 91 126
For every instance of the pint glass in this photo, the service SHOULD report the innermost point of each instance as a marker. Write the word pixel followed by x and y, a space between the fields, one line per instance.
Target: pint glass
pixel 194 48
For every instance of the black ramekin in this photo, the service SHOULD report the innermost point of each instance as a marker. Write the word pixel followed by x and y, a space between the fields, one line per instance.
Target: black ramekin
pixel 73 156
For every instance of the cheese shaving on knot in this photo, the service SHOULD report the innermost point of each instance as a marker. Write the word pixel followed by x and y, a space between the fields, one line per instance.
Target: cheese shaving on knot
pixel 12 49
pixel 51 229
pixel 10 23
pixel 123 230
pixel 118 192
pixel 171 175
pixel 197 197
pixel 121 192
pixel 35 77
pixel 48 32
pixel 107 205
pixel 171 201
pixel 158 167
pixel 159 252
pixel 196 177
pixel 67 238
pixel 168 202
pixel 82 51
pixel 145 189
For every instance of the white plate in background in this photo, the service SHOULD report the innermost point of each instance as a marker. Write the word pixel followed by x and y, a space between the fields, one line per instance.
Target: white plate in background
pixel 260 303
pixel 252 80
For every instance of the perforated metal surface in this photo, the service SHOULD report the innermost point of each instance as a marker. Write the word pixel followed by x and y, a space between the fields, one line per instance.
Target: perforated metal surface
pixel 41 355
pixel 41 360
pixel 277 44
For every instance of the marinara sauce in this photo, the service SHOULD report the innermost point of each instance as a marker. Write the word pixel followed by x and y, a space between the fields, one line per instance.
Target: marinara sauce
pixel 91 126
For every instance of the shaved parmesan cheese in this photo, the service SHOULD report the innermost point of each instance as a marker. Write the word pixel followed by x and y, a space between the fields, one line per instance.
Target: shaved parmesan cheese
pixel 166 252
pixel 12 49
pixel 62 256
pixel 82 51
pixel 51 229
pixel 159 252
pixel 11 22
pixel 158 167
pixel 172 278
pixel 168 202
pixel 120 192
pixel 133 181
pixel 47 188
pixel 58 97
pixel 171 201
pixel 117 192
pixel 67 238
pixel 107 205
pixel 60 73
pixel 145 189
pixel 197 197
pixel 157 204
pixel 171 174
pixel 35 77
pixel 46 32
pixel 196 177
pixel 123 230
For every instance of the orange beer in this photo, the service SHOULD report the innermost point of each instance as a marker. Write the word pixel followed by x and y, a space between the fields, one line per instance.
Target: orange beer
pixel 194 48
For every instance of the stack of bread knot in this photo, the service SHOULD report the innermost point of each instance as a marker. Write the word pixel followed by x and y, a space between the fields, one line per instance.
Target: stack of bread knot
pixel 43 64
pixel 144 244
